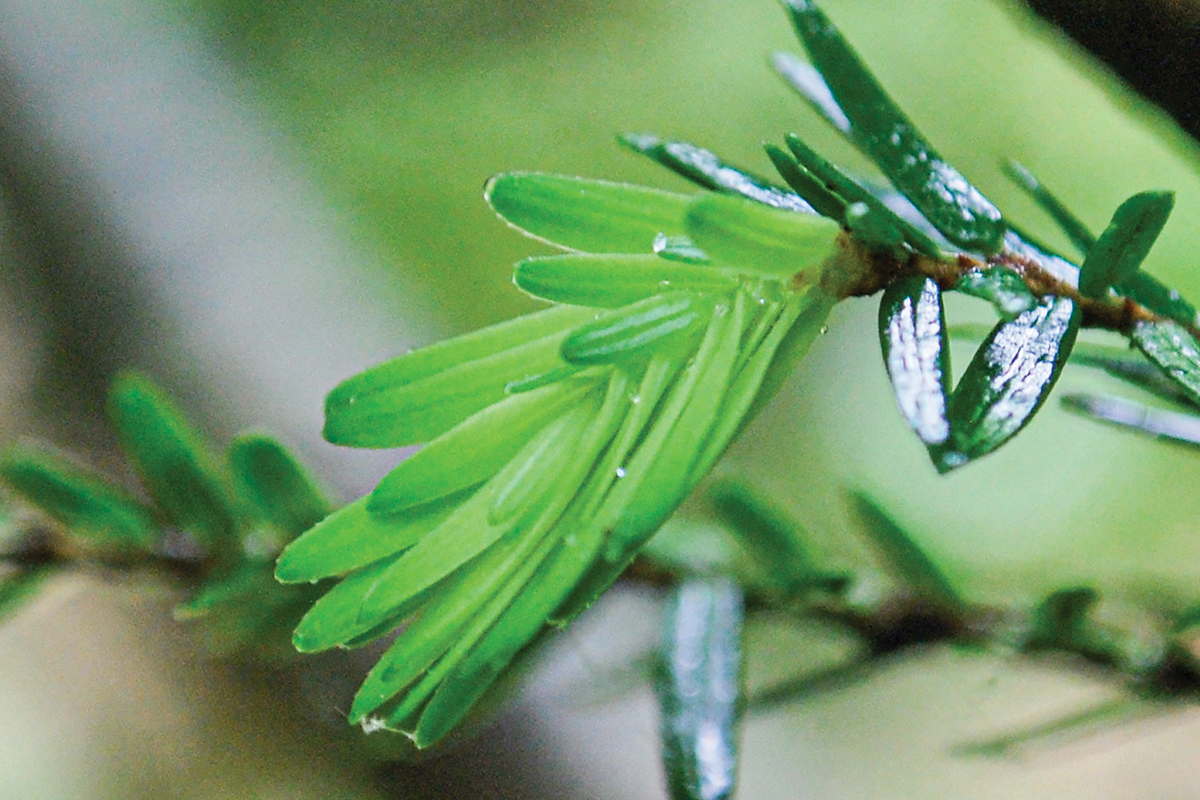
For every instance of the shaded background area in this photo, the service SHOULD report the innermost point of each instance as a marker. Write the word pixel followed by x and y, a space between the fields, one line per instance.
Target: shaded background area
pixel 252 200
pixel 1154 45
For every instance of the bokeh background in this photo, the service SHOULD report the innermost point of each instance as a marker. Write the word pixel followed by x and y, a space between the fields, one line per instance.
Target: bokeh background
pixel 252 200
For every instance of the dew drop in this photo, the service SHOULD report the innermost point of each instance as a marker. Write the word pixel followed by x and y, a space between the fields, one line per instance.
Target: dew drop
pixel 954 459
pixel 635 399
pixel 372 725
pixel 620 472
pixel 664 284
pixel 824 329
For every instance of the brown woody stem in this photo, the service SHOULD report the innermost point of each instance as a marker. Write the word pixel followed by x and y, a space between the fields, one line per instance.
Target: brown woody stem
pixel 858 271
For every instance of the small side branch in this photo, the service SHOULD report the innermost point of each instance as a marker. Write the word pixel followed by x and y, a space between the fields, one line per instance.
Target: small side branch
pixel 859 270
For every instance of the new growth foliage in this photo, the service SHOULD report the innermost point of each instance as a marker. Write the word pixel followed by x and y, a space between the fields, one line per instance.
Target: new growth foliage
pixel 556 444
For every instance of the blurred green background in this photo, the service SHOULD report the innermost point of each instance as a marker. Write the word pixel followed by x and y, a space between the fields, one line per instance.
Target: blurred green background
pixel 393 115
